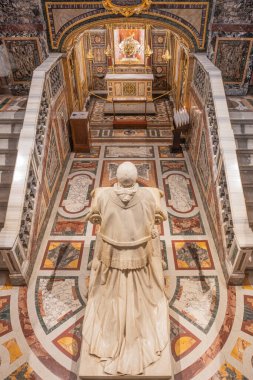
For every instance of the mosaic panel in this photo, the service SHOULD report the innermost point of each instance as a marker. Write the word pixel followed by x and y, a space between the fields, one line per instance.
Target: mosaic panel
pixel 90 166
pixel 76 196
pixel 34 343
pixel 25 56
pixel 196 299
pixel 5 317
pixel 24 372
pixel 192 254
pixel 173 165
pixel 129 151
pixel 247 324
pixel 69 227
pixel 61 255
pixel 146 172
pixel 228 372
pixel 182 340
pixel 164 152
pixel 239 348
pixel 13 349
pixel 57 299
pixel 94 153
pixel 69 342
pixel 232 58
pixel 179 194
pixel 186 226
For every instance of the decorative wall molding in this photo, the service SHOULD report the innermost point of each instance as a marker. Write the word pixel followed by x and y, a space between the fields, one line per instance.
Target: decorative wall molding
pixel 188 17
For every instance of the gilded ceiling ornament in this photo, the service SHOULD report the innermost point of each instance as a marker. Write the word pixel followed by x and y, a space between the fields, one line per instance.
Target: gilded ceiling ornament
pixel 127 7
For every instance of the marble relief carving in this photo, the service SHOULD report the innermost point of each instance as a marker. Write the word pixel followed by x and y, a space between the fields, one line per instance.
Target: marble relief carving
pixel 53 164
pixel 199 81
pixel 203 162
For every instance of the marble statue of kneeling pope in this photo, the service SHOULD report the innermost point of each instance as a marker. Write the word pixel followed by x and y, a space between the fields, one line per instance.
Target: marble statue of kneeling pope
pixel 126 324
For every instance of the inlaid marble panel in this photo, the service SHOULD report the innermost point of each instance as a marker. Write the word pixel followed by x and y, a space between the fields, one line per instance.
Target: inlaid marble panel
pixel 146 172
pixel 57 299
pixel 69 342
pixel 129 151
pixel 186 226
pixel 76 196
pixel 179 193
pixel 197 299
pixel 63 255
pixel 192 254
pixel 182 340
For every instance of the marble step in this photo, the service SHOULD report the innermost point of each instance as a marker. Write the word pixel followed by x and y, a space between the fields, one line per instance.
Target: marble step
pixel 4 193
pixel 10 128
pixel 250 215
pixel 8 158
pixel 6 177
pixel 3 210
pixel 244 142
pixel 241 129
pixel 6 143
pixel 245 158
pixel 248 193
pixel 246 176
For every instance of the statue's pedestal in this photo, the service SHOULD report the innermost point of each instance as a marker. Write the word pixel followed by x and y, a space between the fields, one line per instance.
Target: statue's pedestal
pixel 91 369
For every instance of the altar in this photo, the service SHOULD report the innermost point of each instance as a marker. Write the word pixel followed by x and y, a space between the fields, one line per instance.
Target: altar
pixel 129 86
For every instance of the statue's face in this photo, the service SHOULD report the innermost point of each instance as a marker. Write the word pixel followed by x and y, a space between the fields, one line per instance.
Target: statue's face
pixel 126 182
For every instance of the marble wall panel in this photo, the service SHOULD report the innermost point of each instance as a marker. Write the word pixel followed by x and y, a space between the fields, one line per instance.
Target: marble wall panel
pixel 232 58
pixel 232 21
pixel 24 56
pixel 200 151
pixel 22 22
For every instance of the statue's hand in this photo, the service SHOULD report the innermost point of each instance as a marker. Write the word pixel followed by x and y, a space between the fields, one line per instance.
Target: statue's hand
pixel 95 218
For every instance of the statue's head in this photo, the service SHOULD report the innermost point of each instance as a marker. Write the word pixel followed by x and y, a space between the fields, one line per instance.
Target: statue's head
pixel 127 174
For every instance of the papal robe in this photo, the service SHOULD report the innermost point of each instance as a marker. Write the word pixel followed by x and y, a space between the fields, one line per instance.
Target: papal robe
pixel 126 317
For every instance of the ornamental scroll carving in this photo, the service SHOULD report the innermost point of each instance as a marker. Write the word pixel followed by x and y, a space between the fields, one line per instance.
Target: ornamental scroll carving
pixel 128 7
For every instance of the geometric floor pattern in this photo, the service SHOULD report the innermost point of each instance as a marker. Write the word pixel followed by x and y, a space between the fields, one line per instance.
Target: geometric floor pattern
pixel 211 324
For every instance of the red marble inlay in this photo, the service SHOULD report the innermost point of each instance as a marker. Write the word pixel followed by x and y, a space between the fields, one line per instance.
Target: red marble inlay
pixel 218 343
pixel 34 343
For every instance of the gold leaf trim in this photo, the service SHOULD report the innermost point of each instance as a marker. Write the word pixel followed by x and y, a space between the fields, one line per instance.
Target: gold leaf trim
pixel 127 11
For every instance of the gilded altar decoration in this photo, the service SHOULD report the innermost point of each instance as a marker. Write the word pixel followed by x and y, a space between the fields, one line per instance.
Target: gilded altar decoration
pixel 127 7
pixel 129 46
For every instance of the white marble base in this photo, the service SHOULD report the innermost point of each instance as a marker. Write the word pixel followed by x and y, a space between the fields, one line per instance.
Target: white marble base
pixel 90 367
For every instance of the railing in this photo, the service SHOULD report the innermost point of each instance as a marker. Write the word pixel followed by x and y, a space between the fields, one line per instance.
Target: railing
pixel 237 236
pixel 22 211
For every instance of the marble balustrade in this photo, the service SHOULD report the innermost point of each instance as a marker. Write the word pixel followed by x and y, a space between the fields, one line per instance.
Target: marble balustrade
pixel 213 155
pixel 42 151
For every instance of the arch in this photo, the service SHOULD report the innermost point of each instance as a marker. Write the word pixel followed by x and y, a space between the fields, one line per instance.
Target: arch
pixel 74 30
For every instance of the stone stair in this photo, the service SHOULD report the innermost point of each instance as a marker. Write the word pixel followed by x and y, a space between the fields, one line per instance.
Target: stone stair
pixel 242 124
pixel 10 126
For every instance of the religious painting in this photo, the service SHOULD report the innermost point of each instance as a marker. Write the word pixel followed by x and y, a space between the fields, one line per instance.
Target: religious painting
pixel 129 46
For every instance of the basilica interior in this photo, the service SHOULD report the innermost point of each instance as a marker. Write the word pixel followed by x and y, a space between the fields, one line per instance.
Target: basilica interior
pixel 85 86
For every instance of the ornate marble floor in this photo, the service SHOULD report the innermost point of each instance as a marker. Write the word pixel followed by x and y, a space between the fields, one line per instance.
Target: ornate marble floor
pixel 211 325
